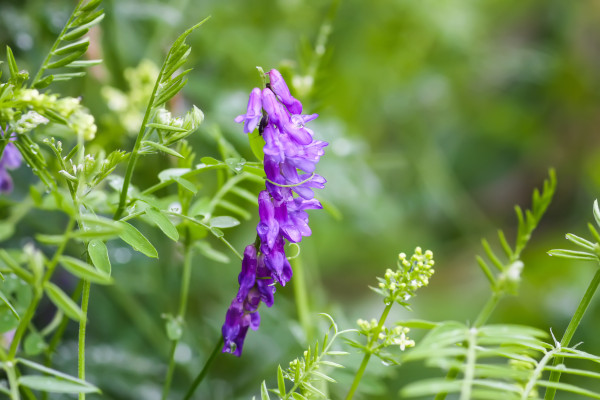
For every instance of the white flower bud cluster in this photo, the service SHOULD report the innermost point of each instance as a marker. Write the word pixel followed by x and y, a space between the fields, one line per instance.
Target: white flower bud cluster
pixel 412 273
pixel 78 118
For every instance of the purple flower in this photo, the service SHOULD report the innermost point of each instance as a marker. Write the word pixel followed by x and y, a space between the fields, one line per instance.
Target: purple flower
pixel 10 159
pixel 253 114
pixel 291 155
pixel 236 326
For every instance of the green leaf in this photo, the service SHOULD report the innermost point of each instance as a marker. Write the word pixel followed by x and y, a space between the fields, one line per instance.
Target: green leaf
pixel 55 385
pixel 298 396
pixel 172 173
pixel 163 222
pixel 12 64
pixel 573 254
pixel 84 271
pixel 34 344
pixel 580 241
pixel 136 240
pixel 45 82
pixel 184 183
pixel 164 127
pixel 430 387
pixel 280 381
pixel 257 143
pixel 596 212
pixel 99 255
pixel 223 222
pixel 162 148
pixel 209 252
pixel 12 309
pixel 264 392
pixel 52 240
pixel 64 302
pixel 79 46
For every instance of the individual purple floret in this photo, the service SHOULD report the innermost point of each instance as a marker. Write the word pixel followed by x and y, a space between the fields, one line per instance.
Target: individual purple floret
pixel 253 113
pixel 291 154
pixel 11 159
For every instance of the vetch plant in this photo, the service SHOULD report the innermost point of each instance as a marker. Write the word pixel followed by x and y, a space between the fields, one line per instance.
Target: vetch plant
pixel 289 147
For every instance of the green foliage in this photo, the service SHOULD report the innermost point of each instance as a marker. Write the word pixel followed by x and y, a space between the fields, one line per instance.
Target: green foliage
pixel 306 373
pixel 71 45
pixel 509 273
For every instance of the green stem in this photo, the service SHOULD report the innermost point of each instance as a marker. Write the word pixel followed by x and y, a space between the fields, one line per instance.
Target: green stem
pixel 170 370
pixel 575 321
pixel 85 296
pixel 301 296
pixel 204 371
pixel 487 310
pixel 9 367
pixel 24 323
pixel 136 147
pixel 183 299
pixel 369 351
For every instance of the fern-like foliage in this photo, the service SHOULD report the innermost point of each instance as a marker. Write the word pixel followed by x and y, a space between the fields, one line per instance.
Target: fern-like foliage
pixel 71 45
pixel 495 362
pixel 305 372
pixel 489 359
pixel 509 271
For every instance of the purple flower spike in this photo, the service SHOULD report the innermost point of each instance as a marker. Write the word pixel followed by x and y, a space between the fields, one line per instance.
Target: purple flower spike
pixel 282 91
pixel 254 112
pixel 291 155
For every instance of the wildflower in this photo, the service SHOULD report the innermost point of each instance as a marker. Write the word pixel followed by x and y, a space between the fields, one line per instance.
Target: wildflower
pixel 253 114
pixel 289 147
pixel 11 159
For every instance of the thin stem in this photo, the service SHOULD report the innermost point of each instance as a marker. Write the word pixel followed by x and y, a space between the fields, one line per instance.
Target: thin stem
pixel 204 370
pixel 24 323
pixel 136 147
pixel 9 367
pixel 539 369
pixel 301 296
pixel 487 310
pixel 183 300
pixel 575 321
pixel 369 351
pixel 85 296
pixel 170 370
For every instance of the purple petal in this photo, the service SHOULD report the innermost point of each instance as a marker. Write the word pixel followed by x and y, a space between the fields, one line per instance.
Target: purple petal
pixel 282 91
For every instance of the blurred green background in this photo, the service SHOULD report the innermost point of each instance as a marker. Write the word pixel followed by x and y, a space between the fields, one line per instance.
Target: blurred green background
pixel 441 115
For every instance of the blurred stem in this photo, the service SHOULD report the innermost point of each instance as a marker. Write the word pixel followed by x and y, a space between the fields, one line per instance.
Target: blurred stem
pixel 185 288
pixel 9 367
pixel 487 310
pixel 301 295
pixel 369 351
pixel 85 296
pixel 575 321
pixel 202 373
pixel 38 290
pixel 322 38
